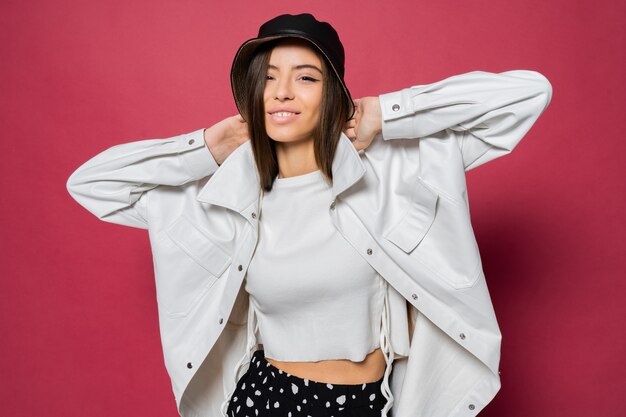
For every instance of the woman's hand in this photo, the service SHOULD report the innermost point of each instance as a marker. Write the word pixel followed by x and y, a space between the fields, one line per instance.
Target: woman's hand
pixel 366 123
pixel 224 137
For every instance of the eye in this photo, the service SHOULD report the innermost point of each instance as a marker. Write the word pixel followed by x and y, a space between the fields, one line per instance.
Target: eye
pixel 269 77
pixel 307 78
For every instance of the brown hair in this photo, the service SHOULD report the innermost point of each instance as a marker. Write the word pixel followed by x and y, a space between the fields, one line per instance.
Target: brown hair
pixel 335 111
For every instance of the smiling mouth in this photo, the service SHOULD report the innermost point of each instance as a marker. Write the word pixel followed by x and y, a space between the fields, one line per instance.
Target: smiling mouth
pixel 283 117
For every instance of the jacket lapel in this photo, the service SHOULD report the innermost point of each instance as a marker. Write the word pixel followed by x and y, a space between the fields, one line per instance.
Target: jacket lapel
pixel 235 185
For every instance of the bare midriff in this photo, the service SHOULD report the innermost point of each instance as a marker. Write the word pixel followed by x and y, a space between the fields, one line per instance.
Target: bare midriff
pixel 341 371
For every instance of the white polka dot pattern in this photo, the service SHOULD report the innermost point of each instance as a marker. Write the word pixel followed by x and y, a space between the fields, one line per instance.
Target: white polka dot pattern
pixel 290 396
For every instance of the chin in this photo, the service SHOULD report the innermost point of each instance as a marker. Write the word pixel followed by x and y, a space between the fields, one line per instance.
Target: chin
pixel 285 137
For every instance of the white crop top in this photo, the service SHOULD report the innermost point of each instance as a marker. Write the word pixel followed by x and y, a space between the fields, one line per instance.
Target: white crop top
pixel 313 297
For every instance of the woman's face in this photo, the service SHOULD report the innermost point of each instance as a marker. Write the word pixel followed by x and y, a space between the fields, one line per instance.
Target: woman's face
pixel 293 91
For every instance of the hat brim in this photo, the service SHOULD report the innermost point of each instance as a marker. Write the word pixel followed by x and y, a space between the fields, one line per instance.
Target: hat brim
pixel 244 56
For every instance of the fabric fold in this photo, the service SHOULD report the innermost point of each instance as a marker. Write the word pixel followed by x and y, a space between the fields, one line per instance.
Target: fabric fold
pixel 251 344
pixel 385 345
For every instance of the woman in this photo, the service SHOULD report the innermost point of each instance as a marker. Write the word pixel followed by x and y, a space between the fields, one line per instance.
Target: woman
pixel 277 232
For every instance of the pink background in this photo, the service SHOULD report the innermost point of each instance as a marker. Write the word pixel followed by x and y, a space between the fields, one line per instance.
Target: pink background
pixel 78 314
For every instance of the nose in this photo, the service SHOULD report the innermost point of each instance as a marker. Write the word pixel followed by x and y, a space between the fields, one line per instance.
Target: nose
pixel 284 89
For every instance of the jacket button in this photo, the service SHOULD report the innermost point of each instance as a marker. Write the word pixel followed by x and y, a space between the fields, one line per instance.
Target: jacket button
pixel 191 141
pixel 462 336
pixel 395 107
pixel 253 215
pixel 369 251
pixel 189 365
pixel 332 205
pixel 240 267
pixel 414 296
pixel 471 406
pixel 221 320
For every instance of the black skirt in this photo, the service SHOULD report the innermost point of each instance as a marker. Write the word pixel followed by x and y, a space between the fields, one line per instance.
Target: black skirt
pixel 266 391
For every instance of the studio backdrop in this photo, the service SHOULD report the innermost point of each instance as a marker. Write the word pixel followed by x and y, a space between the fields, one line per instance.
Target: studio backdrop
pixel 78 312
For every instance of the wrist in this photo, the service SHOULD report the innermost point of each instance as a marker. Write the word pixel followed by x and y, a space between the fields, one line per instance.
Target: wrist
pixel 377 115
pixel 207 138
pixel 208 141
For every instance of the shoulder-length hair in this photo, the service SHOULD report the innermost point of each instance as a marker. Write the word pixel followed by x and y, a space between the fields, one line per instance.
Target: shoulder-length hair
pixel 335 111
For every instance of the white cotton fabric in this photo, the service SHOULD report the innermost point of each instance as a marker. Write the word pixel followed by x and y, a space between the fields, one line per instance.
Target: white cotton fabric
pixel 315 297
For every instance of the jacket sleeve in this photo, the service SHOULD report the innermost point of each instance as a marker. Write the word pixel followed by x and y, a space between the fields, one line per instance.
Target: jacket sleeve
pixel 114 185
pixel 491 112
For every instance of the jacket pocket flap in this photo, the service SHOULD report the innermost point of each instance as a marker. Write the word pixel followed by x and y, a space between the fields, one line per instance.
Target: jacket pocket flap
pixel 414 225
pixel 200 247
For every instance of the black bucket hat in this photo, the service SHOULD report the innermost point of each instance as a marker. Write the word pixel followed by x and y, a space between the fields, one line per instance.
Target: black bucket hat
pixel 321 34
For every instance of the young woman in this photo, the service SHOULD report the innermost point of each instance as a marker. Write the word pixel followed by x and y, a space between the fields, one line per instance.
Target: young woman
pixel 308 246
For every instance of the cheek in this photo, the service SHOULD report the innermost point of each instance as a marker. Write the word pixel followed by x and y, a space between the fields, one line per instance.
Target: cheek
pixel 315 104
pixel 265 101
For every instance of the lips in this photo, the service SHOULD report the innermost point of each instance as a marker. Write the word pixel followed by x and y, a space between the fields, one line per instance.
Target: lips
pixel 283 115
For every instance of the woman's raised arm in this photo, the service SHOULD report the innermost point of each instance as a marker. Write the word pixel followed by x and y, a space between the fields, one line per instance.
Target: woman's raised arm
pixel 491 111
pixel 114 184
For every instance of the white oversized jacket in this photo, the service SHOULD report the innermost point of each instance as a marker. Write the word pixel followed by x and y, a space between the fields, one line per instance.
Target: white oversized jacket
pixel 401 203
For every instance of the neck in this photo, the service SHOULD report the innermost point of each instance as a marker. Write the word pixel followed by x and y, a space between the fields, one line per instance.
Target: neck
pixel 295 158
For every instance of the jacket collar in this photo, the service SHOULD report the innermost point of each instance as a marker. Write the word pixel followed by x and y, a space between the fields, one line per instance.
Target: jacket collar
pixel 235 184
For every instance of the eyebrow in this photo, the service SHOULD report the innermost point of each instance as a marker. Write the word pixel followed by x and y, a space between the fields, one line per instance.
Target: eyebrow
pixel 297 67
